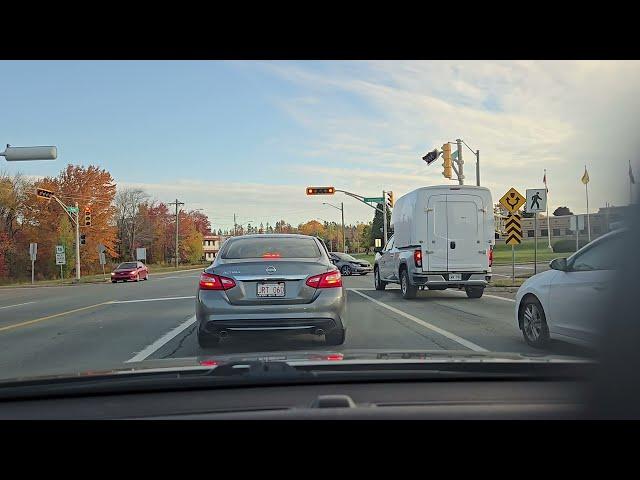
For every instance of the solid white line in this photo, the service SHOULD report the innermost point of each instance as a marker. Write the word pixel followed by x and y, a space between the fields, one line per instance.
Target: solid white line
pixel 151 299
pixel 500 298
pixel 444 333
pixel 16 305
pixel 181 276
pixel 166 338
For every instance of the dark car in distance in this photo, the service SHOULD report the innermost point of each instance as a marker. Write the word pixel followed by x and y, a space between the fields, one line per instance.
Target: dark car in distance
pixel 349 265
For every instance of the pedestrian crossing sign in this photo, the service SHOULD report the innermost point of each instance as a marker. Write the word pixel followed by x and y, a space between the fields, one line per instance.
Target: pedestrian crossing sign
pixel 536 200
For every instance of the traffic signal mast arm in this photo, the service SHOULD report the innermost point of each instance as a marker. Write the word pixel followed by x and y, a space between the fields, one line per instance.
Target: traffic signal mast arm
pixel 65 208
pixel 360 198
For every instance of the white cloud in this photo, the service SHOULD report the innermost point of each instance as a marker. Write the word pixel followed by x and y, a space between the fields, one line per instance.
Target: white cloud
pixel 524 116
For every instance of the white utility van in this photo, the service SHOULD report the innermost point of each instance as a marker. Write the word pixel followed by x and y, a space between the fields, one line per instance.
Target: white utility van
pixel 443 237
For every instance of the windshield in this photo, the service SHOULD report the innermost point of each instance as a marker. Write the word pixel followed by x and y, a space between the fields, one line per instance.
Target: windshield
pixel 127 265
pixel 229 182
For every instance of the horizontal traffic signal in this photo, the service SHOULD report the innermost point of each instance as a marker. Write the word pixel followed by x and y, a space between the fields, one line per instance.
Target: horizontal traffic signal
pixel 44 193
pixel 320 190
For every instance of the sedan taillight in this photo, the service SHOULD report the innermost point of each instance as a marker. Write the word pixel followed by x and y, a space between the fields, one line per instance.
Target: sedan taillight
pixel 326 280
pixel 209 281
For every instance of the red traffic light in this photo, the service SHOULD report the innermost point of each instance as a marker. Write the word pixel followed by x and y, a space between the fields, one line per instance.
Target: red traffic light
pixel 320 190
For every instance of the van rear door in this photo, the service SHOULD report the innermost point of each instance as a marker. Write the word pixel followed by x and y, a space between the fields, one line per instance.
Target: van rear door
pixel 465 233
pixel 435 251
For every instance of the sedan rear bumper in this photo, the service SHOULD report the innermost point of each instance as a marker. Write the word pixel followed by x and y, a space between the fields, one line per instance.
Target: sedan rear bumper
pixel 214 314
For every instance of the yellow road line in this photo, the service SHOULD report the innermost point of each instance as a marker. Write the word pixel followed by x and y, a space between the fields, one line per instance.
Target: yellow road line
pixel 48 317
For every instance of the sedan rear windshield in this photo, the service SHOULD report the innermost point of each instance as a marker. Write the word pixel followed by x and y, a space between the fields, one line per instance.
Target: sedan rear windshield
pixel 128 265
pixel 272 248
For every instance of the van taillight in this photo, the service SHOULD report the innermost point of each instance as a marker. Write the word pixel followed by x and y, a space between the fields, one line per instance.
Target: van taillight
pixel 490 255
pixel 417 258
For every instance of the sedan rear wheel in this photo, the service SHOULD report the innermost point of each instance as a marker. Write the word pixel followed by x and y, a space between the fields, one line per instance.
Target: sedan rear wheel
pixel 534 323
pixel 208 341
pixel 335 337
pixel 345 270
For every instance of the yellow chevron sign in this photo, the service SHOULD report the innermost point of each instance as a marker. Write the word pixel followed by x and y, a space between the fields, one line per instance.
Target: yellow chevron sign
pixel 513 229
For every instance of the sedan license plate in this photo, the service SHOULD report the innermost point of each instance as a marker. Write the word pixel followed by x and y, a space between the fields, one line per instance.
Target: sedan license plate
pixel 455 276
pixel 271 289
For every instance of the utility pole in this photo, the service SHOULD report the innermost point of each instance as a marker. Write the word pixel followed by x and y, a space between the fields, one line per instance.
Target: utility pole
pixel 478 168
pixel 460 162
pixel 177 204
pixel 77 242
pixel 344 241
pixel 384 216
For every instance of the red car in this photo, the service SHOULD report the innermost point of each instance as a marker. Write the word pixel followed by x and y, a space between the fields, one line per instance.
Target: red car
pixel 126 271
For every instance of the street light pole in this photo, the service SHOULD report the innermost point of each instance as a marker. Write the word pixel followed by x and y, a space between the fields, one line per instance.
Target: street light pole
pixel 341 208
pixel 177 204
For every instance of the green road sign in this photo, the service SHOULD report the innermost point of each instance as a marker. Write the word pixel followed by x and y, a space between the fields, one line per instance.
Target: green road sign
pixel 374 199
pixel 72 209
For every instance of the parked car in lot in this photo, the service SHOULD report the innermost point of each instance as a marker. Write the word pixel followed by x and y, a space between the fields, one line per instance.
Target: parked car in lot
pixel 443 238
pixel 262 283
pixel 568 302
pixel 349 265
pixel 130 271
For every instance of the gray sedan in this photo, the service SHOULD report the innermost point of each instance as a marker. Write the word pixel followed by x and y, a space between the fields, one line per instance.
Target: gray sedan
pixel 349 265
pixel 260 283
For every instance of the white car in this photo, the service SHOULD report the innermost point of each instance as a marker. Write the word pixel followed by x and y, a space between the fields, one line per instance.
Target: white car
pixel 569 301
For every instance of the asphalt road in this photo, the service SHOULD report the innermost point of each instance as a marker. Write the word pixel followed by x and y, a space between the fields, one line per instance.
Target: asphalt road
pixel 64 330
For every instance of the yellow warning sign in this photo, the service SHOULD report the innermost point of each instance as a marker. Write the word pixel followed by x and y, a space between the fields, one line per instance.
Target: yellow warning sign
pixel 513 229
pixel 512 200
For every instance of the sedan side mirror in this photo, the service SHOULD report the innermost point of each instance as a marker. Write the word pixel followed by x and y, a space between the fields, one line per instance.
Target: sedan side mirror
pixel 559 264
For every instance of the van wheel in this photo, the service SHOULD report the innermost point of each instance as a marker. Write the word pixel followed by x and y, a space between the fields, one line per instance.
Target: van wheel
pixel 534 323
pixel 379 284
pixel 408 291
pixel 474 292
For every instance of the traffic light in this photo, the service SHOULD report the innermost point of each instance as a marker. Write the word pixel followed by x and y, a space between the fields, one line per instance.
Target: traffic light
pixel 83 239
pixel 431 156
pixel 320 190
pixel 447 164
pixel 43 193
pixel 87 217
pixel 390 199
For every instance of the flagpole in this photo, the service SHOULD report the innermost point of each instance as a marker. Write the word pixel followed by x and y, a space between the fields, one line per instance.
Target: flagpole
pixel 586 191
pixel 630 186
pixel 548 224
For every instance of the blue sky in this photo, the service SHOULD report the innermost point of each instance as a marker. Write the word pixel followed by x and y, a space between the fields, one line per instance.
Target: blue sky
pixel 247 137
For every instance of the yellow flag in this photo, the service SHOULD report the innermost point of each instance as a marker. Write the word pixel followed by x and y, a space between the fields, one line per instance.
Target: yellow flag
pixel 585 177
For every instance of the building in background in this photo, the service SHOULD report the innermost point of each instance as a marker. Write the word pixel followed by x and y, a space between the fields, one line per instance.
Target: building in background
pixel 211 245
pixel 605 220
